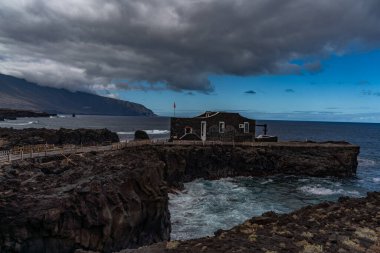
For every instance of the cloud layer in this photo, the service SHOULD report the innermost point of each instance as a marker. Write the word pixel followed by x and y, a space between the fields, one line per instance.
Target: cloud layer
pixel 176 44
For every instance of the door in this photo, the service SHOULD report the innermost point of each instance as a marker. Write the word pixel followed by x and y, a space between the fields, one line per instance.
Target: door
pixel 203 130
pixel 246 127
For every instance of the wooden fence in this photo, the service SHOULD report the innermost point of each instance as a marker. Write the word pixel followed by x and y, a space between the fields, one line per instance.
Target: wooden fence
pixel 20 153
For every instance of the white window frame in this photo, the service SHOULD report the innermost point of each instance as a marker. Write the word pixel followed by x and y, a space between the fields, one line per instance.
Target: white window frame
pixel 203 130
pixel 221 129
pixel 246 127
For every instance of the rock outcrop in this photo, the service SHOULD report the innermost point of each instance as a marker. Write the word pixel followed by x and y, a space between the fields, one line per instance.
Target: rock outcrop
pixel 186 163
pixel 118 199
pixel 32 136
pixel 13 114
pixel 141 135
pixel 349 225
pixel 96 202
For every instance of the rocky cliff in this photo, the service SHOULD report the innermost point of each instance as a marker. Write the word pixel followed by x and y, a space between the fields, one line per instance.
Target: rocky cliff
pixel 118 199
pixel 90 201
pixel 184 164
pixel 10 138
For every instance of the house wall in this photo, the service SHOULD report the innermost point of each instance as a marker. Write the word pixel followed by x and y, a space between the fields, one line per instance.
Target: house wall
pixel 178 125
pixel 232 131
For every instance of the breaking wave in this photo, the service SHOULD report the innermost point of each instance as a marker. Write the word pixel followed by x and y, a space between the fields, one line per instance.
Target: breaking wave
pixel 366 162
pixel 267 181
pixel 19 124
pixel 318 190
pixel 152 132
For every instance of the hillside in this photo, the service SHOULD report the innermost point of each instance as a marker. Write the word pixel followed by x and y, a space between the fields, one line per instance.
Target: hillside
pixel 18 93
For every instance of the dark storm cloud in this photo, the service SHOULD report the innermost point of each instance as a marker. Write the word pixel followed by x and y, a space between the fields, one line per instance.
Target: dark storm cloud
pixel 176 44
pixel 251 92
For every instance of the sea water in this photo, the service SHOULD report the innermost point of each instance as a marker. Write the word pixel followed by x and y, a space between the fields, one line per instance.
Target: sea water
pixel 206 206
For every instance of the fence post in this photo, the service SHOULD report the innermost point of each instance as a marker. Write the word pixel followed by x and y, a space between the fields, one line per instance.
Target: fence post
pixel 9 157
pixel 22 154
pixel 31 152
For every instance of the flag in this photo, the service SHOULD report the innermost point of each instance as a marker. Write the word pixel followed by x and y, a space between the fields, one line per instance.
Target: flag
pixel 174 106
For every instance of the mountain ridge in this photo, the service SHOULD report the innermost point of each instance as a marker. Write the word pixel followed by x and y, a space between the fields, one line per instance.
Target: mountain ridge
pixel 17 93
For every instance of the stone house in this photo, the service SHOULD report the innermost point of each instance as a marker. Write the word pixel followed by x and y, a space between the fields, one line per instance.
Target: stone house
pixel 213 126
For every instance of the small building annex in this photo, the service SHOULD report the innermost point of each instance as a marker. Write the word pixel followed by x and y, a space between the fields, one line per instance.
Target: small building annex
pixel 213 126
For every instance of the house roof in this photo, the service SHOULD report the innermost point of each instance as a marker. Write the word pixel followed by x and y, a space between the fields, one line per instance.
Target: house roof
pixel 209 114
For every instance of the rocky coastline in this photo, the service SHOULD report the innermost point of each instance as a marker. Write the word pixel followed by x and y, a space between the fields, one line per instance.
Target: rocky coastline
pixel 186 163
pixel 11 138
pixel 114 200
pixel 348 225
pixel 89 201
pixel 11 114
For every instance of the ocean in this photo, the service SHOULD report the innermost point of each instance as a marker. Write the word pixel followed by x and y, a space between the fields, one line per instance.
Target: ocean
pixel 206 206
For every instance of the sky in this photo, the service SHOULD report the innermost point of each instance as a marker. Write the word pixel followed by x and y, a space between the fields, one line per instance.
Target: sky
pixel 267 59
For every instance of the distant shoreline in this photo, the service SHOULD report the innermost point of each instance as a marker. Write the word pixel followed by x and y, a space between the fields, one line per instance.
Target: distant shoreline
pixel 13 114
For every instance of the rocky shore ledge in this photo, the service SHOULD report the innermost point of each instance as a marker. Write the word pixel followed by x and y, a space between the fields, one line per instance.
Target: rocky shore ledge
pixel 349 225
pixel 115 200
pixel 10 138
pixel 12 114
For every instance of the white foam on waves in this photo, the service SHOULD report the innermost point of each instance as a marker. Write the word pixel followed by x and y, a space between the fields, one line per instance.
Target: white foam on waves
pixel 319 190
pixel 206 206
pixel 19 124
pixel 366 162
pixel 152 132
pixel 267 181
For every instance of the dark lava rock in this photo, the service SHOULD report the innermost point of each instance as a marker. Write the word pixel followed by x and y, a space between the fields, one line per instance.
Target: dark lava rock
pixel 350 225
pixel 107 202
pixel 141 135
pixel 32 136
pixel 186 163
pixel 12 114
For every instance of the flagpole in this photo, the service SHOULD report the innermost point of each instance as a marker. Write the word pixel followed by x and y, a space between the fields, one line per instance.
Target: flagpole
pixel 174 106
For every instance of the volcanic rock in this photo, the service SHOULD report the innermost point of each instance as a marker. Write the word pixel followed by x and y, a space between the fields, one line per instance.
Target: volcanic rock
pixel 349 225
pixel 11 114
pixel 114 200
pixel 102 202
pixel 32 136
pixel 141 135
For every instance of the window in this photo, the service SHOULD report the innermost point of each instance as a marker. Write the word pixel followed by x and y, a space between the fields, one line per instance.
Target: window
pixel 188 130
pixel 246 127
pixel 221 127
pixel 203 130
pixel 241 125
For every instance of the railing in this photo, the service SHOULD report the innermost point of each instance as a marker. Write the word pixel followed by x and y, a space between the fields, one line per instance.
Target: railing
pixel 20 153
pixel 24 152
